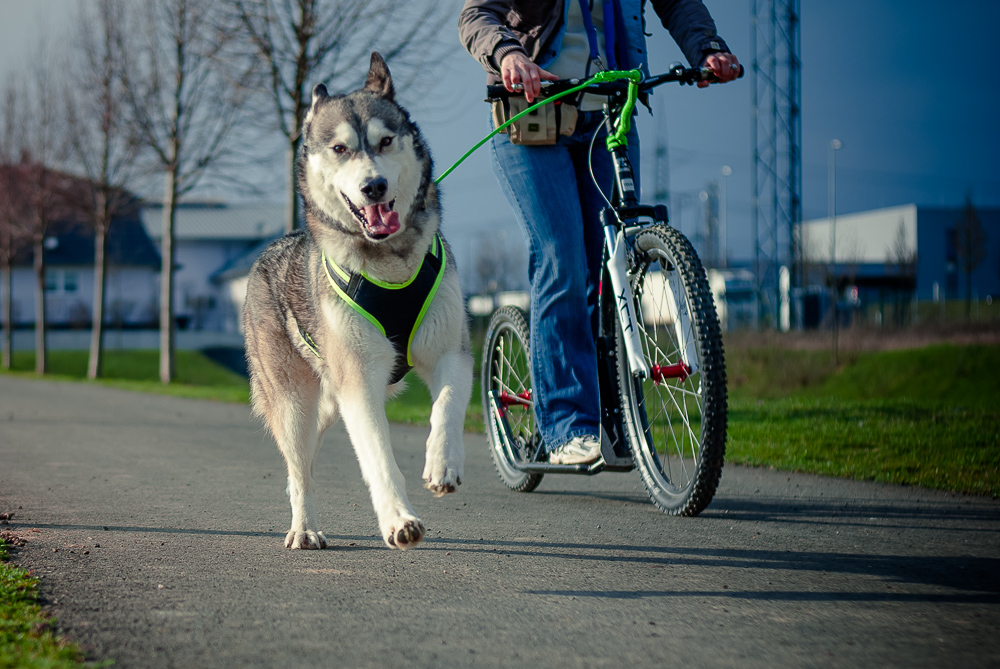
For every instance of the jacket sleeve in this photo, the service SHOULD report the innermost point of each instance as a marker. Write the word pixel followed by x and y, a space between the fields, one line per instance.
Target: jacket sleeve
pixel 691 26
pixel 482 30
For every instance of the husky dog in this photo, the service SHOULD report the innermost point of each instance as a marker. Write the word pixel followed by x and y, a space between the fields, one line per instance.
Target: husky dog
pixel 322 307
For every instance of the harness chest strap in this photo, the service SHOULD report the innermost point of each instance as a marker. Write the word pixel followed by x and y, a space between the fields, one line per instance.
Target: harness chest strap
pixel 395 309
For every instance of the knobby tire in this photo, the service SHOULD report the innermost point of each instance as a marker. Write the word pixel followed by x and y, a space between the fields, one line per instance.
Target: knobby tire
pixel 676 428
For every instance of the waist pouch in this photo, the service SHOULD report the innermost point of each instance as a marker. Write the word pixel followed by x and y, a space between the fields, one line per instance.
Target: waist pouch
pixel 541 127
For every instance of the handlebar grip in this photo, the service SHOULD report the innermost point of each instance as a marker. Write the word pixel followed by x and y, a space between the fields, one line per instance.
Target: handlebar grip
pixel 709 76
pixel 499 91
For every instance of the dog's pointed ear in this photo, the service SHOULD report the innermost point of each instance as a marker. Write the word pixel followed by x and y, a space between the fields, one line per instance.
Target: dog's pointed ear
pixel 319 93
pixel 379 80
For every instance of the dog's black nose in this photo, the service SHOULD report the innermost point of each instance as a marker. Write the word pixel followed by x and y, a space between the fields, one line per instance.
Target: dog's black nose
pixel 376 188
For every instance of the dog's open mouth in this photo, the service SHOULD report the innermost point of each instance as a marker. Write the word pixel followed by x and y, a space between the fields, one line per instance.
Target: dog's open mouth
pixel 377 220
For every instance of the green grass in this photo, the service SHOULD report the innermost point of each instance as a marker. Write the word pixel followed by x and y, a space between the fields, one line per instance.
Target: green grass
pixel 26 637
pixel 963 376
pixel 928 416
pixel 770 372
pixel 899 441
pixel 949 375
pixel 197 376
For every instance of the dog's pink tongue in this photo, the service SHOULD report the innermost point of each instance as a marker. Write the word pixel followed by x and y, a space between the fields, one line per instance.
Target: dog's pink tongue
pixel 381 219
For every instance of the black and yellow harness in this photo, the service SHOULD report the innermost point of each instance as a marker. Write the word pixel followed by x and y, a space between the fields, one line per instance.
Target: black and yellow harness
pixel 396 309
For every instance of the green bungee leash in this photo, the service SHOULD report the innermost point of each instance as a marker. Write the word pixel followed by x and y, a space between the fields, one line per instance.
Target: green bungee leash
pixel 616 139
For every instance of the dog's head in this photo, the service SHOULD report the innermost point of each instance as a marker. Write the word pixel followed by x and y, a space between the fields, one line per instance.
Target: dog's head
pixel 363 164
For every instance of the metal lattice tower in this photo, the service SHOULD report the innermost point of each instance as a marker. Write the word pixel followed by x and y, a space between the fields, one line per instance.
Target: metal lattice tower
pixel 661 192
pixel 777 139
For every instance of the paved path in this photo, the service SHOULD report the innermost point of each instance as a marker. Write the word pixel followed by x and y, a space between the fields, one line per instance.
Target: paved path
pixel 156 527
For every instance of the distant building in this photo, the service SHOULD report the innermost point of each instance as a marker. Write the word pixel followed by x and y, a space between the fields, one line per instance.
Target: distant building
pixel 887 258
pixel 733 293
pixel 131 296
pixel 210 237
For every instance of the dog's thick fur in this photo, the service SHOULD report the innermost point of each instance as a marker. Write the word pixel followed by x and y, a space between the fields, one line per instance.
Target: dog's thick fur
pixel 370 205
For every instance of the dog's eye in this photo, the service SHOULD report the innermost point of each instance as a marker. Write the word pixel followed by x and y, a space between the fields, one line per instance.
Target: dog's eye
pixel 386 141
pixel 339 148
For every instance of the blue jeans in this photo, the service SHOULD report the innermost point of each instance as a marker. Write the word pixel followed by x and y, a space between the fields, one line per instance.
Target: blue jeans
pixel 558 208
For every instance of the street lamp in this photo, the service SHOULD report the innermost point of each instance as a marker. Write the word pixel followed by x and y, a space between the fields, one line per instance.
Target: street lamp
pixel 726 171
pixel 835 146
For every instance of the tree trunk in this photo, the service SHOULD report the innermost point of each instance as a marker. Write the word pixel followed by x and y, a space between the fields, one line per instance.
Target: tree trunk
pixel 100 282
pixel 167 332
pixel 41 348
pixel 293 214
pixel 8 314
pixel 968 294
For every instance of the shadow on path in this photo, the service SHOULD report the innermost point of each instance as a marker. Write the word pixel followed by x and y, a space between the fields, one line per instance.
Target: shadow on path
pixel 850 511
pixel 178 530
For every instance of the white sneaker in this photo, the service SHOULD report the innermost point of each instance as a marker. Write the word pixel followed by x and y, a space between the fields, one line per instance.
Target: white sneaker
pixel 581 450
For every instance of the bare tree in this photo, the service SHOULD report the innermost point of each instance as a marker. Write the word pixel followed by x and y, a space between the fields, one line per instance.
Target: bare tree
pixel 489 268
pixel 42 184
pixel 970 246
pixel 305 42
pixel 9 238
pixel 183 107
pixel 902 254
pixel 103 142
pixel 12 214
pixel 901 257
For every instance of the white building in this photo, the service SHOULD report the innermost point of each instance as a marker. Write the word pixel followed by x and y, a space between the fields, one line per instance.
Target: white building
pixel 208 238
pixel 887 258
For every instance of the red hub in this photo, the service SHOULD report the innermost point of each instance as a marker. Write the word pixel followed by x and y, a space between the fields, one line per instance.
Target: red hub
pixel 676 371
pixel 522 399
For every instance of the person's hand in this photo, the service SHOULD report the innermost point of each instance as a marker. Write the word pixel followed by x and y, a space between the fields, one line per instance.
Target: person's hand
pixel 725 67
pixel 517 68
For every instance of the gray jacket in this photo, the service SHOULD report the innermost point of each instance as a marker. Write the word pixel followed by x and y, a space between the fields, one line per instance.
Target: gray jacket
pixel 489 29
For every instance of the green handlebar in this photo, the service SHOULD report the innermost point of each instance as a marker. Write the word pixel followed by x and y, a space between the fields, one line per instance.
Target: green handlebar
pixel 615 140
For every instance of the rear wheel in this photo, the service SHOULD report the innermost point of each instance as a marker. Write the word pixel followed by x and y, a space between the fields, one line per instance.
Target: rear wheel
pixel 675 420
pixel 508 407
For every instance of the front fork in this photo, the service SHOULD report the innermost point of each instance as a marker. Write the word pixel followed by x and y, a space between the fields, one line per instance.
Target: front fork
pixel 614 241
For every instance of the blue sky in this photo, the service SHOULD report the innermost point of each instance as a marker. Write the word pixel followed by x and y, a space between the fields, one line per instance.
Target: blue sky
pixel 909 87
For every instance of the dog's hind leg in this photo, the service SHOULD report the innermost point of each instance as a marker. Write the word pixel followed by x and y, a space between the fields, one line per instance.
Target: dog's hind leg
pixel 450 384
pixel 362 408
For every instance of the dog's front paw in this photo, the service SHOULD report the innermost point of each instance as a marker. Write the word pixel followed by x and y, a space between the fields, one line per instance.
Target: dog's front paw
pixel 306 540
pixel 404 533
pixel 442 489
pixel 441 479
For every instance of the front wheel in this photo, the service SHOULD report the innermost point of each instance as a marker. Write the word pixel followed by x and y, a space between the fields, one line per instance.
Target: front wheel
pixel 508 405
pixel 675 420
